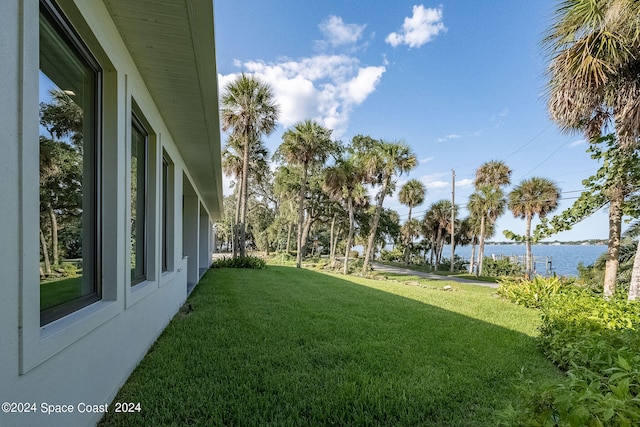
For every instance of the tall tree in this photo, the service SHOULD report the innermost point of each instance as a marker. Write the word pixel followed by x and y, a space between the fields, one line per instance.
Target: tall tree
pixel 306 144
pixel 488 204
pixel 412 194
pixel 249 111
pixel 343 182
pixel 534 196
pixel 616 183
pixel 437 223
pixel 594 51
pixel 382 161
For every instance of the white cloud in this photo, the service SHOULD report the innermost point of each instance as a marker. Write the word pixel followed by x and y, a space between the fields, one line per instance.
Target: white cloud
pixel 448 137
pixel 421 28
pixel 464 182
pixel 338 33
pixel 323 87
pixel 426 159
pixel 577 143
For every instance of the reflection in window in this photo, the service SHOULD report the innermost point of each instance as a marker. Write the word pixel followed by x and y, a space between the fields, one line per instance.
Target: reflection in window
pixel 69 170
pixel 138 202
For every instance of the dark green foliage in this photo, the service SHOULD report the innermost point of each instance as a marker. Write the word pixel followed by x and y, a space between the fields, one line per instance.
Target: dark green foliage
pixel 500 267
pixel 393 255
pixel 597 342
pixel 459 264
pixel 240 262
pixel 534 293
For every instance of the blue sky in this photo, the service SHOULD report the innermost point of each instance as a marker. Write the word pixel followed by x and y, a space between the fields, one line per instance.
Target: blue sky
pixel 461 82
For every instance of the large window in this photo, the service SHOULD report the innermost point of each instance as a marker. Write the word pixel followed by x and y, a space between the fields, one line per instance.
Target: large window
pixel 166 180
pixel 69 92
pixel 139 190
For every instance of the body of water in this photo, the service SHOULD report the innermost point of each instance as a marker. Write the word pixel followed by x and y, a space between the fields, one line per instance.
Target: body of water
pixel 564 258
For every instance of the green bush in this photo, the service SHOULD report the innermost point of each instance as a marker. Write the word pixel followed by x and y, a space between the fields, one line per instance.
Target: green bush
pixel 240 262
pixel 598 345
pixel 534 293
pixel 394 255
pixel 500 267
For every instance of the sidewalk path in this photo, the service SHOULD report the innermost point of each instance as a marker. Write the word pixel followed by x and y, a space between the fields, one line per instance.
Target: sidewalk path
pixel 399 270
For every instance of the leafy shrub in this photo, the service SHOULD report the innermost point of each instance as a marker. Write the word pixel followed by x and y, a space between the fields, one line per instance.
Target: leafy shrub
pixel 597 342
pixel 534 293
pixel 395 255
pixel 459 264
pixel 500 267
pixel 240 262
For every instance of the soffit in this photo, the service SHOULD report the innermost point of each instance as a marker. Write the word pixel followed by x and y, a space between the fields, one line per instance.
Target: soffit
pixel 172 44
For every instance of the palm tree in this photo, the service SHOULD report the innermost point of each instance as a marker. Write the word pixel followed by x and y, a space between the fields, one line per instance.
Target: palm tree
pixel 306 144
pixel 381 161
pixel 343 182
pixel 248 110
pixel 233 165
pixel 534 196
pixel 436 223
pixel 411 194
pixel 595 54
pixel 487 203
pixel 494 172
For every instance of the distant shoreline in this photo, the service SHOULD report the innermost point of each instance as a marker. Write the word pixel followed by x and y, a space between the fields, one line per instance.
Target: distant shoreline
pixel 594 242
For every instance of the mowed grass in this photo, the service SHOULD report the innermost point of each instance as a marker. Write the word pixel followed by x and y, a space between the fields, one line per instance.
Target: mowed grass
pixel 284 346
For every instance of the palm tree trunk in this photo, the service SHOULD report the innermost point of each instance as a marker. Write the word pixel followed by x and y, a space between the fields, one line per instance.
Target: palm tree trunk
pixel 481 244
pixel 332 249
pixel 54 234
pixel 245 198
pixel 303 190
pixel 235 230
pixel 613 248
pixel 45 254
pixel 368 255
pixel 349 235
pixel 406 248
pixel 634 285
pixel 527 248
pixel 473 255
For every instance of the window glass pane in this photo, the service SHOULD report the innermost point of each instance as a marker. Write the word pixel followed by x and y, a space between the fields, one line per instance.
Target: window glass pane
pixel 69 209
pixel 138 202
pixel 165 237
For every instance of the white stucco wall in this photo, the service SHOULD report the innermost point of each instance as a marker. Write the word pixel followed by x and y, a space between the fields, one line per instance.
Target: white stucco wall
pixel 84 357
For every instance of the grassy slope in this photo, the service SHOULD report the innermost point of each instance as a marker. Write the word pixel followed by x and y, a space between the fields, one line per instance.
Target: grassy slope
pixel 295 347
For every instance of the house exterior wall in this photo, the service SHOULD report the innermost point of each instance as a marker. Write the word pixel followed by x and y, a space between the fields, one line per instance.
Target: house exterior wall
pixel 84 357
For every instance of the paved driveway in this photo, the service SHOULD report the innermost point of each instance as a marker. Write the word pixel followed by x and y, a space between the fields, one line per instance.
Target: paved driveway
pixel 399 270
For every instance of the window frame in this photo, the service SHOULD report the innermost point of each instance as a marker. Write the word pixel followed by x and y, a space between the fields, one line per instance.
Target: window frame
pixel 74 43
pixel 137 124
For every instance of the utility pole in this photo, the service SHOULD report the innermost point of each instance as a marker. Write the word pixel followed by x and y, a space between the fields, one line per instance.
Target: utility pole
pixel 453 215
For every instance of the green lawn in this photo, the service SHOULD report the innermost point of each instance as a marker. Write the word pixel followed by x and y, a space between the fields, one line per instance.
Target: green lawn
pixel 283 346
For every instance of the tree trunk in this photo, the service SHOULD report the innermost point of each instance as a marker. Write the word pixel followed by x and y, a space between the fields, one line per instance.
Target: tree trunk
pixel 527 248
pixel 374 227
pixel 349 235
pixel 308 222
pixel 613 248
pixel 235 235
pixel 473 255
pixel 303 190
pixel 245 198
pixel 45 254
pixel 481 244
pixel 54 234
pixel 332 249
pixel 406 248
pixel 634 286
pixel 290 229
